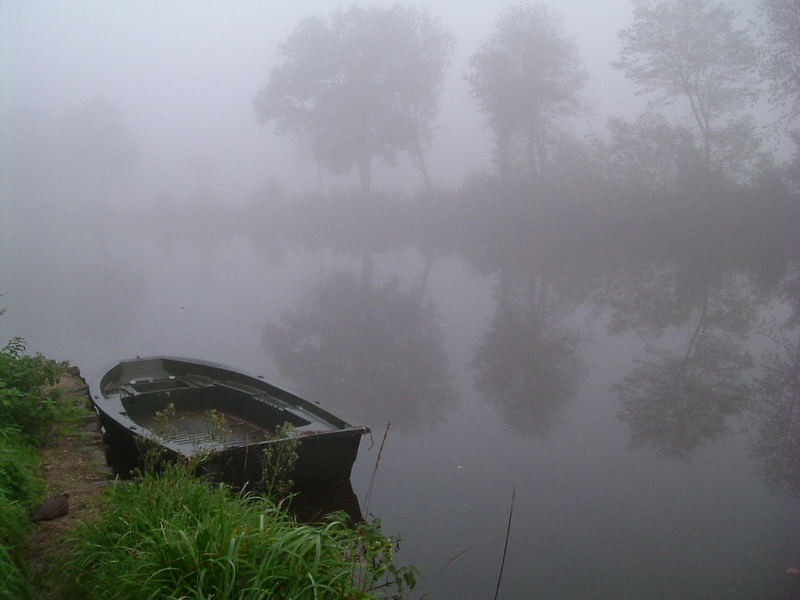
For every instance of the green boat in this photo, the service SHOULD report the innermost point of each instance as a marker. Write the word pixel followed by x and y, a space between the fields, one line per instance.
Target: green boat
pixel 222 417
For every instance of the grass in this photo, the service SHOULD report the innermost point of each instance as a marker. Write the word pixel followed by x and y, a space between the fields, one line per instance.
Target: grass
pixel 169 535
pixel 28 408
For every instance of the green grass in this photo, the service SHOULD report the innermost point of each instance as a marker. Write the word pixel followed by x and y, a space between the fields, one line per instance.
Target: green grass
pixel 28 409
pixel 27 400
pixel 14 584
pixel 171 536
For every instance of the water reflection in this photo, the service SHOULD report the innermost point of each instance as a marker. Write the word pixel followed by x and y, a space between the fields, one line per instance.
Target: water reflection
pixel 94 292
pixel 674 404
pixel 370 348
pixel 778 394
pixel 113 315
pixel 314 503
pixel 679 397
pixel 528 364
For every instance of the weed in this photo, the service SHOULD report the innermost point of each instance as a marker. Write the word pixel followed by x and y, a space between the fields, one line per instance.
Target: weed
pixel 218 429
pixel 150 446
pixel 211 440
pixel 279 458
pixel 207 441
pixel 26 398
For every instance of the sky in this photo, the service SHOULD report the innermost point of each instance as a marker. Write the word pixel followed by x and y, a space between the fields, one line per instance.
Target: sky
pixel 185 73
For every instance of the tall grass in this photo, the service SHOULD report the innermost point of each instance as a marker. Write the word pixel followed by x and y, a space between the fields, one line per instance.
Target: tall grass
pixel 20 488
pixel 28 408
pixel 14 584
pixel 172 536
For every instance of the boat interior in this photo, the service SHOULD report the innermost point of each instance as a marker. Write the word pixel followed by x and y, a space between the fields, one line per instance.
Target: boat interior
pixel 201 412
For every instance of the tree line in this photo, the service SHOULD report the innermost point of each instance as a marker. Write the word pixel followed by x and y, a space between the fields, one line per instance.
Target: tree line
pixel 364 84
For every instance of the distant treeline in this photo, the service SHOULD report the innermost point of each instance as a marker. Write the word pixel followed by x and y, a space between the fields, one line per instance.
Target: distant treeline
pixel 364 83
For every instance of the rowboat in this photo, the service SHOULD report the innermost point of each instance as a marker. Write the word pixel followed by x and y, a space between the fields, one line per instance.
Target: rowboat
pixel 227 420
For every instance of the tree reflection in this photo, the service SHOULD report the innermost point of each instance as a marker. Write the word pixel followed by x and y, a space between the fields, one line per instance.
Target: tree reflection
pixel 371 349
pixel 675 404
pixel 676 401
pixel 527 364
pixel 778 394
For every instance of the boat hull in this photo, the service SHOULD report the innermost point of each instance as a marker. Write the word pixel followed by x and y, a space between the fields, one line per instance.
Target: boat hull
pixel 220 419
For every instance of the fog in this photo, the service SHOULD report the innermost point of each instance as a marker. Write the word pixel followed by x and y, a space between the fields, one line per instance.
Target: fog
pixel 552 262
pixel 184 76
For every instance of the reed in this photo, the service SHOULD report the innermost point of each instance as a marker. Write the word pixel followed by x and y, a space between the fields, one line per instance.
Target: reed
pixel 368 496
pixel 505 545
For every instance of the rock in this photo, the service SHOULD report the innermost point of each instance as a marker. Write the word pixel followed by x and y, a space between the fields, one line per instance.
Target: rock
pixel 52 508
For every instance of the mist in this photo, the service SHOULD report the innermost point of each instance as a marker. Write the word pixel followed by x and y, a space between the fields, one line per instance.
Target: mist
pixel 184 78
pixel 552 259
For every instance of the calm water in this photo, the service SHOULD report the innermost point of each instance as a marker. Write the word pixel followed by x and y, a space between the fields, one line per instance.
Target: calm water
pixel 634 403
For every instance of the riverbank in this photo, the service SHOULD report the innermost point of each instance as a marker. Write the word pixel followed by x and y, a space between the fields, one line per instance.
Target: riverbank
pixel 162 534
pixel 44 411
pixel 73 462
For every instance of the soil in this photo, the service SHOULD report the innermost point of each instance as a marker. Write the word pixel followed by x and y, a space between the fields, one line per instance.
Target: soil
pixel 73 462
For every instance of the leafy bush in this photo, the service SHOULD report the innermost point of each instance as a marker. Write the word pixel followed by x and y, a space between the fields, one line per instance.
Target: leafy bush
pixel 26 398
pixel 170 536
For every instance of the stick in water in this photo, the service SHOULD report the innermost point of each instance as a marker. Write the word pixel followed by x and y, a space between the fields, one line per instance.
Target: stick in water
pixel 505 546
pixel 375 468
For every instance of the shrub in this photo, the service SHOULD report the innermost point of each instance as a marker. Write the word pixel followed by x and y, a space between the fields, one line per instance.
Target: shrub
pixel 26 397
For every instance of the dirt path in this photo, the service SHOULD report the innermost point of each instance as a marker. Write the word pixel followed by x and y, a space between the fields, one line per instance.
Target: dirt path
pixel 73 461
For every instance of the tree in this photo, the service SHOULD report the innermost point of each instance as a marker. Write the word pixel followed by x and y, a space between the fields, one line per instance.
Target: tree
pixel 781 53
pixel 526 78
pixel 362 84
pixel 648 154
pixel 691 50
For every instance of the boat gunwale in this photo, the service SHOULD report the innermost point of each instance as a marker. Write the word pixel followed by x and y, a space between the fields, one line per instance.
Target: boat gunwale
pixel 97 385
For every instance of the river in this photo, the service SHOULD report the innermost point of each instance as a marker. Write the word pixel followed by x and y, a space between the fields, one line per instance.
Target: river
pixel 629 398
